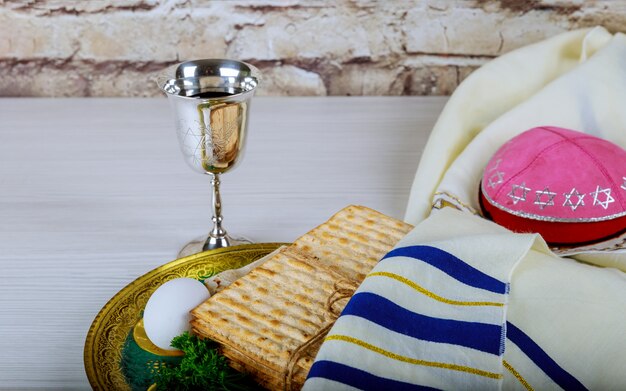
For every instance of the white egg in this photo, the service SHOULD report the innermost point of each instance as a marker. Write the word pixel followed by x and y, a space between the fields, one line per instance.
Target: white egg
pixel 167 312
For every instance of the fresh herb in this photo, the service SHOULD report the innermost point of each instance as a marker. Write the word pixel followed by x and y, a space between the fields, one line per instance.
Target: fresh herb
pixel 201 368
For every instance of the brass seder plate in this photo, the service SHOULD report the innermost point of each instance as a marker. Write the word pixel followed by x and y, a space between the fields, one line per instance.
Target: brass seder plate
pixel 111 327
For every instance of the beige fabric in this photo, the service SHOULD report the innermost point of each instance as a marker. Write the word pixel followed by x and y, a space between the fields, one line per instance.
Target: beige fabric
pixel 575 311
pixel 487 94
pixel 570 81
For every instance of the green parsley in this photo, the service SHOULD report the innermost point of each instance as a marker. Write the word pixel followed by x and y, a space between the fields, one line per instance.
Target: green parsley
pixel 201 368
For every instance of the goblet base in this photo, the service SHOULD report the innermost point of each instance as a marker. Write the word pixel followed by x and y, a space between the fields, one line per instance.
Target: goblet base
pixel 197 245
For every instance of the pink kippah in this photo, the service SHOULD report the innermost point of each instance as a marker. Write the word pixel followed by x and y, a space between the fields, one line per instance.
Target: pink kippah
pixel 566 185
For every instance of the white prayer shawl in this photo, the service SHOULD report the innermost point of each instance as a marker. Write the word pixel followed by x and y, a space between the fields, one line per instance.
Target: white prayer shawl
pixel 439 312
pixel 462 303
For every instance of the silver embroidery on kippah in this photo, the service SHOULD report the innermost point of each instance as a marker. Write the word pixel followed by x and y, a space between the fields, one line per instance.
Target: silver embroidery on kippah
pixel 555 219
pixel 539 197
pixel 568 199
pixel 607 200
pixel 495 179
pixel 514 196
pixel 623 186
pixel 496 165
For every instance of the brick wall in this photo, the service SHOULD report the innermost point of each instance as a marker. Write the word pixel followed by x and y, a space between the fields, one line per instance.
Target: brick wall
pixel 314 47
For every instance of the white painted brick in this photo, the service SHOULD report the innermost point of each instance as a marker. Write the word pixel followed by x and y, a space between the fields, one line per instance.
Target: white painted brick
pixel 304 47
pixel 291 81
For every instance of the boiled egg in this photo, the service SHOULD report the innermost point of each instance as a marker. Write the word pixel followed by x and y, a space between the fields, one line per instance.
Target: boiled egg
pixel 167 312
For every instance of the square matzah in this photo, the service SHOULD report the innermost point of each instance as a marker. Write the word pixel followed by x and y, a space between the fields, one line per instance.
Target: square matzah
pixel 267 320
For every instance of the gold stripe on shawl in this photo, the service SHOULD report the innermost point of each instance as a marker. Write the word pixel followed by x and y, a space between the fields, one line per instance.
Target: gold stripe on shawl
pixel 517 375
pixel 431 294
pixel 394 356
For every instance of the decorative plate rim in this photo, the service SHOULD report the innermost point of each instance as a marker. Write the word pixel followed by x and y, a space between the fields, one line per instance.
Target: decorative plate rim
pixel 100 321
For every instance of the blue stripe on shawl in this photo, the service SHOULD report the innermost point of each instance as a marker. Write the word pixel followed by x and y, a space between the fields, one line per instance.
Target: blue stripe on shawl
pixel 359 379
pixel 541 359
pixel 452 266
pixel 480 336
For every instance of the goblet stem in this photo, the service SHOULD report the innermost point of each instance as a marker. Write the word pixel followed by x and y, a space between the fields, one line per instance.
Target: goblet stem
pixel 218 237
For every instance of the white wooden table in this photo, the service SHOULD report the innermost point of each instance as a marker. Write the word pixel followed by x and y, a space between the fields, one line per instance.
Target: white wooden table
pixel 94 193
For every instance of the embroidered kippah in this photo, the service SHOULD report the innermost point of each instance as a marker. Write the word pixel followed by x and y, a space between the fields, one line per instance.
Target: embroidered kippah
pixel 566 185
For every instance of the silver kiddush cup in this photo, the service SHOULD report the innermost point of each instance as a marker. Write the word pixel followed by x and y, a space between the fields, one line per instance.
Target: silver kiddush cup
pixel 211 99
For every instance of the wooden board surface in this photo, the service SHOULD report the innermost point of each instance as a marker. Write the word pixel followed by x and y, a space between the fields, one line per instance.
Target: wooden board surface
pixel 94 193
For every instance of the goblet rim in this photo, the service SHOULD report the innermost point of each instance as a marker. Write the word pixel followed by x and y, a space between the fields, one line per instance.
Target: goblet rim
pixel 228 98
pixel 167 75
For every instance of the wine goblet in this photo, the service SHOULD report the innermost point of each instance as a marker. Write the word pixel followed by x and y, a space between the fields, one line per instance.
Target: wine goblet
pixel 211 100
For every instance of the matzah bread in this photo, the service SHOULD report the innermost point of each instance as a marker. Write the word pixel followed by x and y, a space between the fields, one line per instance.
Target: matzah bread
pixel 222 280
pixel 271 322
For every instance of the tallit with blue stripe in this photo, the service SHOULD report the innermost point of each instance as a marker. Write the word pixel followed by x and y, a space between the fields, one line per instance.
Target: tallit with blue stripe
pixel 433 315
